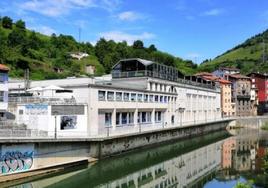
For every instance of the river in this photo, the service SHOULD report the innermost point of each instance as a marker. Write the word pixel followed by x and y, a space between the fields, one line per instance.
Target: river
pixel 217 160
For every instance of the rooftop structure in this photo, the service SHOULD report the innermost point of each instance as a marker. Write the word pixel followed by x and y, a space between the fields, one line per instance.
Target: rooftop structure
pixel 136 67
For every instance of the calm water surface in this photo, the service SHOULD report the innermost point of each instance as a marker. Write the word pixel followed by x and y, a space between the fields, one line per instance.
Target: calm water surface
pixel 215 160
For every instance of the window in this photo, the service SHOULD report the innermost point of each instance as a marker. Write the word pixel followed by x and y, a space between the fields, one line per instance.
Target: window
pixel 108 119
pixel 126 96
pixel 131 117
pixel 144 117
pixel 156 98
pixel 3 77
pixel 140 97
pixel 101 95
pixel 118 118
pixel 172 119
pixel 118 96
pixel 151 98
pixel 133 97
pixel 158 116
pixel 161 98
pixel 146 98
pixel 124 118
pixel 20 112
pixel 110 96
pixel 165 99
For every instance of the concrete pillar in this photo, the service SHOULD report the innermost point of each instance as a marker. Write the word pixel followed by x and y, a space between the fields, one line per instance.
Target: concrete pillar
pixel 149 86
pixel 136 117
pixel 153 117
pixel 153 87
pixel 114 118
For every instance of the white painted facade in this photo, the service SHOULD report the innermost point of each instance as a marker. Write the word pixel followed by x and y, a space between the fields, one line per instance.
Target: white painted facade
pixel 137 109
pixel 3 92
pixel 42 118
pixel 136 104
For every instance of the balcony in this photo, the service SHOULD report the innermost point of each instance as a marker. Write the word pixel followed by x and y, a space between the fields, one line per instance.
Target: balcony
pixel 247 97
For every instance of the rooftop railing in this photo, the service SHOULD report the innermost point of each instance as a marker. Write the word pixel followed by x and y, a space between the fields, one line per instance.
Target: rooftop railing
pixel 143 73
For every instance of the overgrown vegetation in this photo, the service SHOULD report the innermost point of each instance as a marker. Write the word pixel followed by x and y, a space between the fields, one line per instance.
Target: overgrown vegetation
pixel 44 55
pixel 252 55
pixel 265 126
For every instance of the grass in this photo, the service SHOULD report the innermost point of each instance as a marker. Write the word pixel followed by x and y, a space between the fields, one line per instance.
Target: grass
pixel 265 126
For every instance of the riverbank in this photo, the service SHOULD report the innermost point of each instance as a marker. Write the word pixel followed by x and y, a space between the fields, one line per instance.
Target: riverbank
pixel 128 163
pixel 44 154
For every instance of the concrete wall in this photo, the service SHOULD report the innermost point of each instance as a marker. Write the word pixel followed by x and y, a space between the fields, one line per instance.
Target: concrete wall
pixel 27 155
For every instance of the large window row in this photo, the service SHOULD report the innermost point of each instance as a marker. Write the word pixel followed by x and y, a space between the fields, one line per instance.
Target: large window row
pixel 127 118
pixel 133 97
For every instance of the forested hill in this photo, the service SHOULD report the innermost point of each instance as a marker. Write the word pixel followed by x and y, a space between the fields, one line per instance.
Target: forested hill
pixel 44 56
pixel 249 56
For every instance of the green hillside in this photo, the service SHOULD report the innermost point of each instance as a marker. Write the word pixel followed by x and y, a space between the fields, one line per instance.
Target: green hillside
pixel 248 56
pixel 48 57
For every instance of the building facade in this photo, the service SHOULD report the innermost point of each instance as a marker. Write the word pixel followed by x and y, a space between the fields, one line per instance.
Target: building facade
pixel 243 95
pixel 227 106
pixel 259 82
pixel 142 95
pixel 3 90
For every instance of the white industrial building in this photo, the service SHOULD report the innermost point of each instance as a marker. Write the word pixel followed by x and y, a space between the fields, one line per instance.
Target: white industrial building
pixel 139 95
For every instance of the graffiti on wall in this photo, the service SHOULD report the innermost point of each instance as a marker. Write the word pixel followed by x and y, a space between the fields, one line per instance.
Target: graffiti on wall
pixel 16 158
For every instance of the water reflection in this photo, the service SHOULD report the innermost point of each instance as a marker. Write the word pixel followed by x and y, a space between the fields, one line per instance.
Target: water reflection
pixel 191 163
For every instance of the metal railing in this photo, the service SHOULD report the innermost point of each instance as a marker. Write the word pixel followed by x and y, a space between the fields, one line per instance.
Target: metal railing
pixel 21 132
pixel 143 73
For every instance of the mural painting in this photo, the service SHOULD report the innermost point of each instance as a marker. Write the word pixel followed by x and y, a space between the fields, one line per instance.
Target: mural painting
pixel 16 158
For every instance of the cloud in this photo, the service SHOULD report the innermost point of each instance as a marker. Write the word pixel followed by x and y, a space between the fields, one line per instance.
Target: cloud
pixel 119 36
pixel 213 12
pixel 55 8
pixel 129 16
pixel 43 29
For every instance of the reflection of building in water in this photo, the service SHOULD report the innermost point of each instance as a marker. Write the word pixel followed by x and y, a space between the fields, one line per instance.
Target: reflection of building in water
pixel 228 148
pixel 245 153
pixel 180 171
pixel 239 154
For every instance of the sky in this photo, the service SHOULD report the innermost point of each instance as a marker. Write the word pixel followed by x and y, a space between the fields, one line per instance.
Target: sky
pixel 190 29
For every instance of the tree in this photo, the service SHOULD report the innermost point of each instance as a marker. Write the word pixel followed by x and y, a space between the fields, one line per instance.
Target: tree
pixel 7 22
pixel 20 24
pixel 34 42
pixel 16 37
pixel 138 44
pixel 152 48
